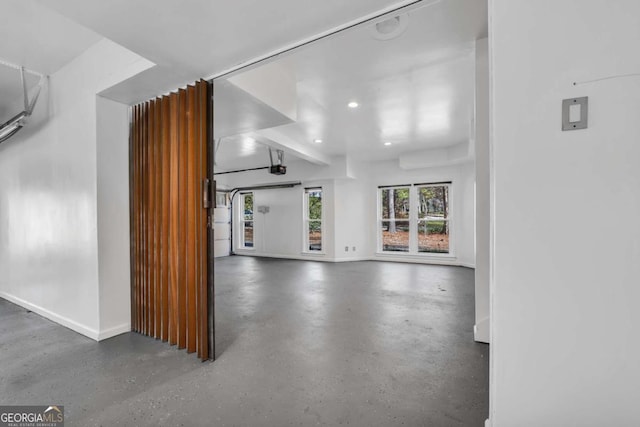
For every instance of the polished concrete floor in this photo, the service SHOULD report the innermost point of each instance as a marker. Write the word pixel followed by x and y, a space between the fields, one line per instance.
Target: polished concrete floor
pixel 298 344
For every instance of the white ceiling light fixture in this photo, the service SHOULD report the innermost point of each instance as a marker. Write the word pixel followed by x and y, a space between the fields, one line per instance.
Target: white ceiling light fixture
pixel 387 144
pixel 390 28
pixel 317 141
pixel 353 104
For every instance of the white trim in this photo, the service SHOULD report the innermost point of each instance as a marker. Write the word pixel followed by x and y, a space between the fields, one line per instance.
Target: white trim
pixel 378 257
pixel 116 330
pixel 242 221
pixel 414 220
pixel 439 255
pixel 301 257
pixel 312 253
pixel 306 221
pixel 492 220
pixel 352 259
pixel 481 331
pixel 418 259
pixel 61 320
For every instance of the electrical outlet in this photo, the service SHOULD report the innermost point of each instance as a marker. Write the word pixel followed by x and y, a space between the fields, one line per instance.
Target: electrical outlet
pixel 346 248
pixel 353 249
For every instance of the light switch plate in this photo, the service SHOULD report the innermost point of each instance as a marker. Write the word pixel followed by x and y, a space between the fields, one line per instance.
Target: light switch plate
pixel 575 113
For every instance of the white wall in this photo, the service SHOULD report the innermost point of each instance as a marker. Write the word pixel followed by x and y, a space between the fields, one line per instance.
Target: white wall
pixel 566 264
pixel 352 216
pixel 462 206
pixel 279 232
pixel 113 217
pixel 350 209
pixel 483 208
pixel 48 194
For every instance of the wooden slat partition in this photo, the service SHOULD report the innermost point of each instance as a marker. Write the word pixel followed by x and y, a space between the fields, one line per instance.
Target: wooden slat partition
pixel 169 162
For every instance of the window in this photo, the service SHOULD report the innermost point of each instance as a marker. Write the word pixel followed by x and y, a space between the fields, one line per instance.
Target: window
pixel 313 219
pixel 415 219
pixel 395 219
pixel 246 220
pixel 433 219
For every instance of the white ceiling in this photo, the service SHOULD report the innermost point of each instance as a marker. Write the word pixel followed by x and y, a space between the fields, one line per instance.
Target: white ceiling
pixel 415 91
pixel 192 39
pixel 38 39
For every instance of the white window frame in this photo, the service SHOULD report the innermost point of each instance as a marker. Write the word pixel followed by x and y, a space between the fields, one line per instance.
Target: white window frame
pixel 414 221
pixel 432 219
pixel 306 221
pixel 243 220
pixel 380 220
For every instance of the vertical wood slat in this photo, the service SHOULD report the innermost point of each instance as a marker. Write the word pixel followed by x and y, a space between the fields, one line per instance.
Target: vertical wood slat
pixel 134 228
pixel 169 140
pixel 155 306
pixel 140 221
pixel 144 244
pixel 157 219
pixel 173 220
pixel 204 115
pixel 192 179
pixel 152 220
pixel 182 244
pixel 143 196
pixel 147 220
pixel 166 151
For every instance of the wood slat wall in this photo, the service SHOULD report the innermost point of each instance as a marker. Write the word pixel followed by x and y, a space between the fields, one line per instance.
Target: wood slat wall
pixel 169 162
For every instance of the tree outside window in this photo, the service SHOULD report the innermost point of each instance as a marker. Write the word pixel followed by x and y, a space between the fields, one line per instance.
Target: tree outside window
pixel 313 219
pixel 247 220
pixel 415 219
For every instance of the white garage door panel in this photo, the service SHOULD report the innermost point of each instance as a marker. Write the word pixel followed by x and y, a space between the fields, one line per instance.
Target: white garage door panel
pixel 222 232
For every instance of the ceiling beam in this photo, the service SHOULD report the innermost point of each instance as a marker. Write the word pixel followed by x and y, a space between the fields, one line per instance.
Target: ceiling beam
pixel 278 140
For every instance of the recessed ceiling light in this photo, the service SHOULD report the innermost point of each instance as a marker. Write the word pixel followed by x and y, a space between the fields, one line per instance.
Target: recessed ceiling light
pixel 387 143
pixel 353 104
pixel 317 141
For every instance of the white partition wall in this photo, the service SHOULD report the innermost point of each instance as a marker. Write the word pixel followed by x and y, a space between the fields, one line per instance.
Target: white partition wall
pixel 567 206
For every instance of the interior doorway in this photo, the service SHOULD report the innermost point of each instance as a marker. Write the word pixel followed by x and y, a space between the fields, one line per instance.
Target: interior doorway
pixel 398 103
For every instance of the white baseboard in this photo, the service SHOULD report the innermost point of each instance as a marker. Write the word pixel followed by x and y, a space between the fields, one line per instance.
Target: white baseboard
pixel 481 331
pixel 352 259
pixel 309 257
pixel 416 259
pixel 112 332
pixel 323 258
pixel 54 317
pixel 304 257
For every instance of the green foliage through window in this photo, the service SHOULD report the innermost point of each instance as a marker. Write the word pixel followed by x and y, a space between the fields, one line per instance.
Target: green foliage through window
pixel 314 219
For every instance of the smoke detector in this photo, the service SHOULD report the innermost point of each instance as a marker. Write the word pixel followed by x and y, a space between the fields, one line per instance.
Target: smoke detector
pixel 390 28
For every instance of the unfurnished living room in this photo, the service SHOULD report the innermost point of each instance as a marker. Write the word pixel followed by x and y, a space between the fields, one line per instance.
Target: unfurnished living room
pixel 365 213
